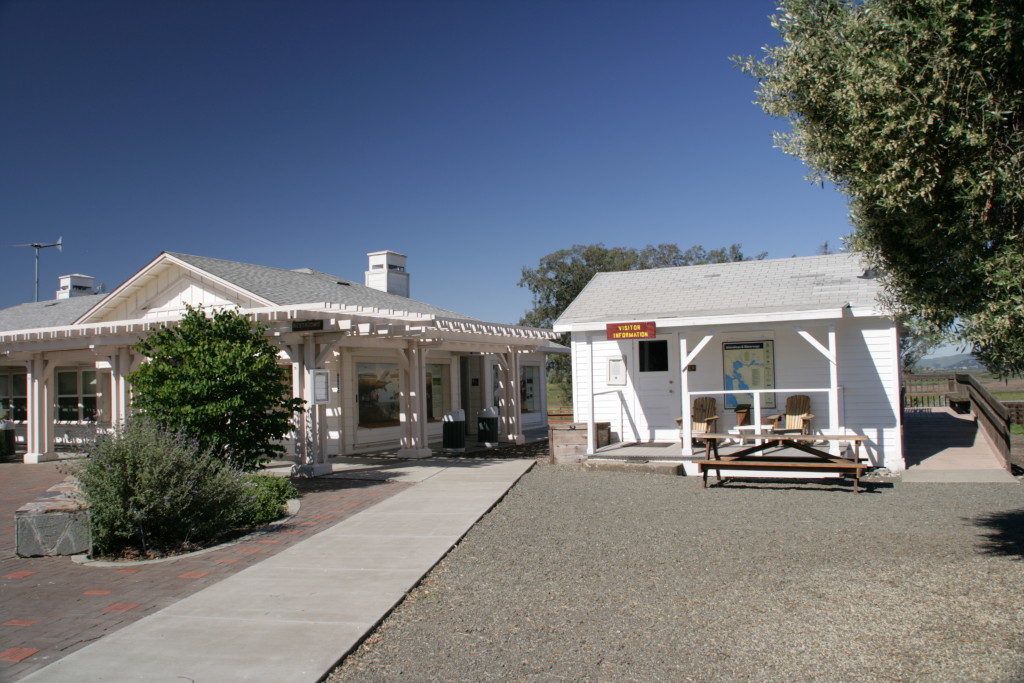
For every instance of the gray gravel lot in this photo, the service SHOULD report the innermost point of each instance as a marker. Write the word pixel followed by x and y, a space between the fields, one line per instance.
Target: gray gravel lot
pixel 601 576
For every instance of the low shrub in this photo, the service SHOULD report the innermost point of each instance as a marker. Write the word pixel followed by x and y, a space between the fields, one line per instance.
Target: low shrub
pixel 266 499
pixel 152 492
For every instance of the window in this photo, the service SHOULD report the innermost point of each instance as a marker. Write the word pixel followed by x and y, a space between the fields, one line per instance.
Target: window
pixel 78 393
pixel 529 383
pixel 654 356
pixel 13 396
pixel 439 394
pixel 378 394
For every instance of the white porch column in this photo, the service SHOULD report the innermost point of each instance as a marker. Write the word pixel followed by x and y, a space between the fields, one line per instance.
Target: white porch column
pixel 833 393
pixel 684 397
pixel 39 432
pixel 312 437
pixel 120 366
pixel 591 419
pixel 831 354
pixel 413 403
pixel 512 415
pixel 295 353
pixel 686 357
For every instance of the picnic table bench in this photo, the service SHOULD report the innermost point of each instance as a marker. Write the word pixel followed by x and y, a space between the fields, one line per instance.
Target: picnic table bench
pixel 748 458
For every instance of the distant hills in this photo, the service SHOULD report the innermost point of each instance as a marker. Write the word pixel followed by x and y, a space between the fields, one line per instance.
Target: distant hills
pixel 958 361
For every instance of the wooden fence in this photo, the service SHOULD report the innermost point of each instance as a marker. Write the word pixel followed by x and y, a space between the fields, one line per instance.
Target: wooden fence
pixel 927 391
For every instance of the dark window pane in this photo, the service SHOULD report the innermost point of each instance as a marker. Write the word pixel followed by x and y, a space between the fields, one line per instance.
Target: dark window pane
pixel 67 408
pixel 654 356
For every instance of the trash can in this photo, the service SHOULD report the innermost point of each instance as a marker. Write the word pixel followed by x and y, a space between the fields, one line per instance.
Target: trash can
pixel 453 431
pixel 487 427
pixel 6 438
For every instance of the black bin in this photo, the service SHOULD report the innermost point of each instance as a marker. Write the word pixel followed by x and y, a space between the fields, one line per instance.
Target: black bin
pixel 453 431
pixel 7 439
pixel 487 426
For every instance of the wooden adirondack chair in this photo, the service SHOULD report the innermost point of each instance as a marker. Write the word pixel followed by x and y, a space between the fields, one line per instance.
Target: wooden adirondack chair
pixel 797 418
pixel 704 416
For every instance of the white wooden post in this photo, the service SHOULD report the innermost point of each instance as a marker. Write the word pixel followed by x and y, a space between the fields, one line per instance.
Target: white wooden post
pixel 39 442
pixel 685 358
pixel 591 424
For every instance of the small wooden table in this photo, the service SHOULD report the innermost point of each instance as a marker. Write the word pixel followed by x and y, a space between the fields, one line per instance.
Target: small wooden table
pixel 747 459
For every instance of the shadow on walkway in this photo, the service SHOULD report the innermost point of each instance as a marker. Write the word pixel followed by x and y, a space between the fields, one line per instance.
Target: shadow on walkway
pixel 929 433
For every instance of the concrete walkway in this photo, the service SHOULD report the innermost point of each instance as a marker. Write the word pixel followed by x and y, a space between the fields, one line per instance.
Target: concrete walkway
pixel 943 446
pixel 292 616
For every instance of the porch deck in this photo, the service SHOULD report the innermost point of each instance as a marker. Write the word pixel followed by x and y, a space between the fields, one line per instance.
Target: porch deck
pixel 939 446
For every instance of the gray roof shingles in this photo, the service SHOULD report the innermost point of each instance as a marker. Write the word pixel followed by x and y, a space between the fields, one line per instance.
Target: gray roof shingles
pixel 279 286
pixel 52 313
pixel 284 287
pixel 722 289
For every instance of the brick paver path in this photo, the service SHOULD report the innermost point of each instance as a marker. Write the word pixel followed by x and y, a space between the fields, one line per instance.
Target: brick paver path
pixel 51 606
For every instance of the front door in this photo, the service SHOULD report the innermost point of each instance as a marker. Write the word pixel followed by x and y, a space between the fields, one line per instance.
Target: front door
pixel 657 389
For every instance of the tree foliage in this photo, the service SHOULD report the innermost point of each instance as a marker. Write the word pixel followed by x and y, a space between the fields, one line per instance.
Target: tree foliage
pixel 561 276
pixel 915 109
pixel 916 342
pixel 216 380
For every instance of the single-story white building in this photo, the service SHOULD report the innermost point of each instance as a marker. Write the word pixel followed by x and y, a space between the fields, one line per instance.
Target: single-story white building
pixel 376 368
pixel 646 343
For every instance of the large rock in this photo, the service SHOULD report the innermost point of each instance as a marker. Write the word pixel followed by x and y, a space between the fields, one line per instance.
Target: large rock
pixel 57 523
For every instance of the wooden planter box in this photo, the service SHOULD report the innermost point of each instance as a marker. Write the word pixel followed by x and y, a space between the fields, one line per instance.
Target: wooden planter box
pixel 568 441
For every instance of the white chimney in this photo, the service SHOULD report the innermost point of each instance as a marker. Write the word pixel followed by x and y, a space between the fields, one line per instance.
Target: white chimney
pixel 74 285
pixel 387 273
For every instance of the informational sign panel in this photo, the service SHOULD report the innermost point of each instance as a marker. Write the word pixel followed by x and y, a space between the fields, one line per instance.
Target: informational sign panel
pixel 321 387
pixel 620 331
pixel 749 366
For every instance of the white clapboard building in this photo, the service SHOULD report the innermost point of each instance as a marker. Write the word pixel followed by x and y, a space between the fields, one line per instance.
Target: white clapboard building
pixel 646 343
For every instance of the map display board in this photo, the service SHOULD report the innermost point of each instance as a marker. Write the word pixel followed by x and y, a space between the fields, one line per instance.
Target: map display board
pixel 749 365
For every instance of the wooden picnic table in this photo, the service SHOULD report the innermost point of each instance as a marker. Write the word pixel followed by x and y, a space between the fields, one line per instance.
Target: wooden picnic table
pixel 748 458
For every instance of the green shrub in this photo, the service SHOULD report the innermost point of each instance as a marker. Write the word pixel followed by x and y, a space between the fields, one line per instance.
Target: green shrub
pixel 151 492
pixel 266 499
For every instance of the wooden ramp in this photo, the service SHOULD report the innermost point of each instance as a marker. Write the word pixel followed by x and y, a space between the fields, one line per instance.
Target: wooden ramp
pixel 943 446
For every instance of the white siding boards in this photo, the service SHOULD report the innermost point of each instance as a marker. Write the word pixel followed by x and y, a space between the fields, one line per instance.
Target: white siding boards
pixel 815 319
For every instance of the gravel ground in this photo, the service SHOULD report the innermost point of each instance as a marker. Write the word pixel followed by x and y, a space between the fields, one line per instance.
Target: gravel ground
pixel 601 576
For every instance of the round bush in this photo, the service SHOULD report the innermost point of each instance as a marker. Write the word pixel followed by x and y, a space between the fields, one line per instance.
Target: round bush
pixel 152 492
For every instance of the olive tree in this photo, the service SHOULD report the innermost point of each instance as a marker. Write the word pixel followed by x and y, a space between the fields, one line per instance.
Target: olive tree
pixel 915 110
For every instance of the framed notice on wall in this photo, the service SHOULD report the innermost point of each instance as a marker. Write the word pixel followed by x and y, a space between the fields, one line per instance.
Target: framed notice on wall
pixel 749 366
pixel 617 371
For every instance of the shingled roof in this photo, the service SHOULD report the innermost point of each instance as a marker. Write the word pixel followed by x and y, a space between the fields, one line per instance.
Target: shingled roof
pixel 302 286
pixel 52 313
pixel 726 289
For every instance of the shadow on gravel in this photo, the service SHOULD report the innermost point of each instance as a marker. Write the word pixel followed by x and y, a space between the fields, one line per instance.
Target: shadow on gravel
pixel 809 485
pixel 1005 535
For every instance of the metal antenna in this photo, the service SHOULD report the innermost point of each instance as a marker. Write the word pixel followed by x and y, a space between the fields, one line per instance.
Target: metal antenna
pixel 37 246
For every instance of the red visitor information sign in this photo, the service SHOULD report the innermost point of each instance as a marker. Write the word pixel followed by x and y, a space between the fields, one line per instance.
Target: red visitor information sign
pixel 617 331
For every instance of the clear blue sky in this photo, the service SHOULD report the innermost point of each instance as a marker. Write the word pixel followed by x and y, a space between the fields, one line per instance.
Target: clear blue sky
pixel 473 136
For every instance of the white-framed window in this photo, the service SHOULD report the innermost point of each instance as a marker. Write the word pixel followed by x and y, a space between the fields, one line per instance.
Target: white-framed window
pixel 529 388
pixel 378 394
pixel 78 395
pixel 13 396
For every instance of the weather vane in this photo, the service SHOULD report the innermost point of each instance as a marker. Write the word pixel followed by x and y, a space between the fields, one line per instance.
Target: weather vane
pixel 37 246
